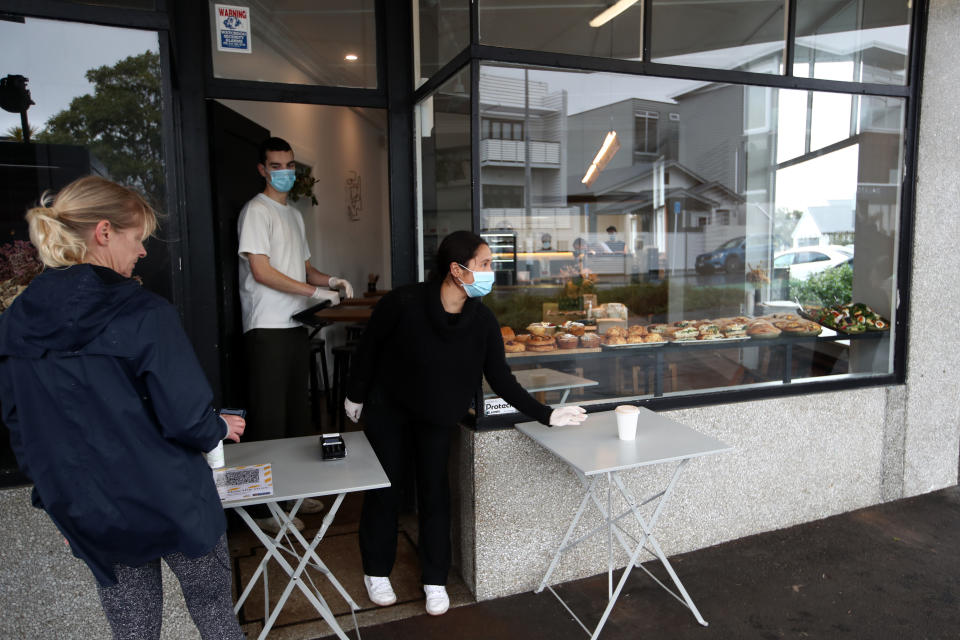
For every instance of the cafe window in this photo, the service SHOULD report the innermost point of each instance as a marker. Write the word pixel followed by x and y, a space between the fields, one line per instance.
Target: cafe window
pixel 583 28
pixel 441 31
pixel 704 249
pixel 326 44
pixel 96 111
pixel 444 199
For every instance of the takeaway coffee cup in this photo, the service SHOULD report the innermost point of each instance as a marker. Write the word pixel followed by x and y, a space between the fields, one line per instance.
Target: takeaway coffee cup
pixel 215 456
pixel 627 416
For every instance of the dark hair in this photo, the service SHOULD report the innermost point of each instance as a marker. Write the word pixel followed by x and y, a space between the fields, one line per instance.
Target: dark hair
pixel 611 229
pixel 272 144
pixel 459 247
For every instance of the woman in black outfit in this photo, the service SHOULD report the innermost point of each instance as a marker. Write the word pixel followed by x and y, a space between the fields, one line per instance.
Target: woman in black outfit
pixel 421 360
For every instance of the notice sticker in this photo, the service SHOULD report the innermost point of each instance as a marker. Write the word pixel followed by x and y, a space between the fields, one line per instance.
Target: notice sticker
pixel 238 483
pixel 233 28
pixel 497 407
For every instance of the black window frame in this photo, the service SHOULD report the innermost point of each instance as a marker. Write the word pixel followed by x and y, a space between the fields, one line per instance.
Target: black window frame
pixel 478 53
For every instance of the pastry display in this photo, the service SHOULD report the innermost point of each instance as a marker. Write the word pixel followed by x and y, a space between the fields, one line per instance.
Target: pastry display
pixel 512 346
pixel 541 343
pixel 853 317
pixel 590 340
pixel 566 341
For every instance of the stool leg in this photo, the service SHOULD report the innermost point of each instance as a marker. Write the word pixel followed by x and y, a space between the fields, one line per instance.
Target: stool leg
pixel 314 391
pixel 327 391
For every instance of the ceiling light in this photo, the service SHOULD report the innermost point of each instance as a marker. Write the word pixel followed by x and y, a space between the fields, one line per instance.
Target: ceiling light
pixel 607 150
pixel 612 12
pixel 351 57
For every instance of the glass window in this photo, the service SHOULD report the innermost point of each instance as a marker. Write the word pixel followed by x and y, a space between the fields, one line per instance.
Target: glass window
pixel 149 5
pixel 583 28
pixel 96 111
pixel 443 164
pixel 441 31
pixel 331 43
pixel 747 35
pixel 709 227
pixel 866 41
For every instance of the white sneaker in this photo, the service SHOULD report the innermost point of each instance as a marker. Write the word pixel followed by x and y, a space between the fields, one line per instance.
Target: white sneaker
pixel 437 599
pixel 270 526
pixel 311 505
pixel 379 590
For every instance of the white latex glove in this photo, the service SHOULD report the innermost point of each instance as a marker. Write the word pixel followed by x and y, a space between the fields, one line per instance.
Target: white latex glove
pixel 352 409
pixel 567 415
pixel 340 283
pixel 321 294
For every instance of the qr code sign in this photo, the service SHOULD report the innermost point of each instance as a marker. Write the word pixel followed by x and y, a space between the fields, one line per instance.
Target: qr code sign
pixel 237 477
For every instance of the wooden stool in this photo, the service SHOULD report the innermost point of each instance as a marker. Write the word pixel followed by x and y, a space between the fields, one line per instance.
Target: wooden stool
pixel 341 373
pixel 319 346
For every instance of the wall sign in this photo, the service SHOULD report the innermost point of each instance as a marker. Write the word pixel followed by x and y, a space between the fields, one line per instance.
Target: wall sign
pixel 233 28
pixel 354 199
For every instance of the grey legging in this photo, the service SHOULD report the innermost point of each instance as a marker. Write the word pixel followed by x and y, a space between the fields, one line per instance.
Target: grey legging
pixel 134 606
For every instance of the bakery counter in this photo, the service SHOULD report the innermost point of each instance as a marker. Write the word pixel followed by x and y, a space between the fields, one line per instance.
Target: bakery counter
pixel 633 370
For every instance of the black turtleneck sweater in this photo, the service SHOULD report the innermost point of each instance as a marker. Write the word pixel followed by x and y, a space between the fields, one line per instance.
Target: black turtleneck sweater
pixel 432 362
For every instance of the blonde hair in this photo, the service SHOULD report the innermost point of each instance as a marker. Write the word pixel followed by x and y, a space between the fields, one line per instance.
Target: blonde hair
pixel 60 225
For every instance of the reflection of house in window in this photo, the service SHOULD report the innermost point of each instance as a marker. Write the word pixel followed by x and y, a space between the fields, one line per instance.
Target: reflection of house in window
pixel 502 196
pixel 500 129
pixel 723 217
pixel 645 132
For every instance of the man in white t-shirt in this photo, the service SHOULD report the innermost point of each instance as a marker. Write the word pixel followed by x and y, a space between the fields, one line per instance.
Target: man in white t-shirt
pixel 277 281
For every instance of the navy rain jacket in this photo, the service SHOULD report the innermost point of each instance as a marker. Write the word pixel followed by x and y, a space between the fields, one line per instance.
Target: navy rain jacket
pixel 109 413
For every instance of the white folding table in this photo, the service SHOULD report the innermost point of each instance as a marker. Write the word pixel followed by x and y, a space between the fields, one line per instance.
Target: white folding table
pixel 299 473
pixel 595 452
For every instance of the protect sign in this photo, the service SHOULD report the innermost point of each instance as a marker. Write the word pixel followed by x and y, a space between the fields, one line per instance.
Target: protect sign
pixel 233 28
pixel 497 407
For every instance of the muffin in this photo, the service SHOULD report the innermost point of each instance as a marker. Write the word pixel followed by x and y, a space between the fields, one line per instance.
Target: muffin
pixel 634 338
pixel 590 340
pixel 566 341
pixel 521 337
pixel 614 340
pixel 637 330
pixel 653 337
pixel 541 328
pixel 576 328
pixel 618 332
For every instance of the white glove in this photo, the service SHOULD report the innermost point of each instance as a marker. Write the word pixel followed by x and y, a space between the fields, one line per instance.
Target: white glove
pixel 321 293
pixel 352 409
pixel 340 283
pixel 567 415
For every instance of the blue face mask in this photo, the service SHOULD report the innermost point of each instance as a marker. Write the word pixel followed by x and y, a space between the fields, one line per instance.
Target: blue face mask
pixel 482 283
pixel 282 179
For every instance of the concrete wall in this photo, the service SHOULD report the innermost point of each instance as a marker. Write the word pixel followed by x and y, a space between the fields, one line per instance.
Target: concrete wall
pixel 795 459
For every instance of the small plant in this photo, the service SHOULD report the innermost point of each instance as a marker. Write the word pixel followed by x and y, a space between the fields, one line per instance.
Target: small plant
pixel 576 284
pixel 303 185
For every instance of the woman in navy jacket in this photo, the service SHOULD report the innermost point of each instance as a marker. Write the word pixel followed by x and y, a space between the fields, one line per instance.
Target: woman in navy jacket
pixel 422 358
pixel 109 414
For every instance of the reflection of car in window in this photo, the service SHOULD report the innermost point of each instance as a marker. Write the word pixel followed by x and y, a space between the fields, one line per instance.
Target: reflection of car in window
pixel 804 262
pixel 734 254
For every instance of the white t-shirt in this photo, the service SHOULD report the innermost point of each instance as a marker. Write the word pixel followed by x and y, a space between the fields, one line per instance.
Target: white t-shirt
pixel 276 231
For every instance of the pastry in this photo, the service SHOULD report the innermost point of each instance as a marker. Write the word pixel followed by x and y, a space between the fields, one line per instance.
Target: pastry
pixel 506 333
pixel 653 337
pixel 512 346
pixel 708 329
pixel 619 332
pixel 566 341
pixel 614 340
pixel 680 324
pixel 590 340
pixel 522 337
pixel 659 328
pixel 762 329
pixel 637 330
pixel 576 328
pixel 634 338
pixel 541 343
pixel 541 328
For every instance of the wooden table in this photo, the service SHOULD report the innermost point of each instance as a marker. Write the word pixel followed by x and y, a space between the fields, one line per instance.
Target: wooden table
pixel 345 313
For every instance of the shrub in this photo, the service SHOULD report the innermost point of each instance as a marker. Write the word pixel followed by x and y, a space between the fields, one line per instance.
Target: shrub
pixel 833 286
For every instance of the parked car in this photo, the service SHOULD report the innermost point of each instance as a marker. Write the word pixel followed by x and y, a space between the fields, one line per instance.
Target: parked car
pixel 732 255
pixel 803 262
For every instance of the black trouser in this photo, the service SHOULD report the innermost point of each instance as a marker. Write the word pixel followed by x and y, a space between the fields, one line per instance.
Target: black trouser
pixel 278 371
pixel 388 429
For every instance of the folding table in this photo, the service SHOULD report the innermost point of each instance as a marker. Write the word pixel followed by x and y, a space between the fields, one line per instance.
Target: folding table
pixel 595 452
pixel 299 473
